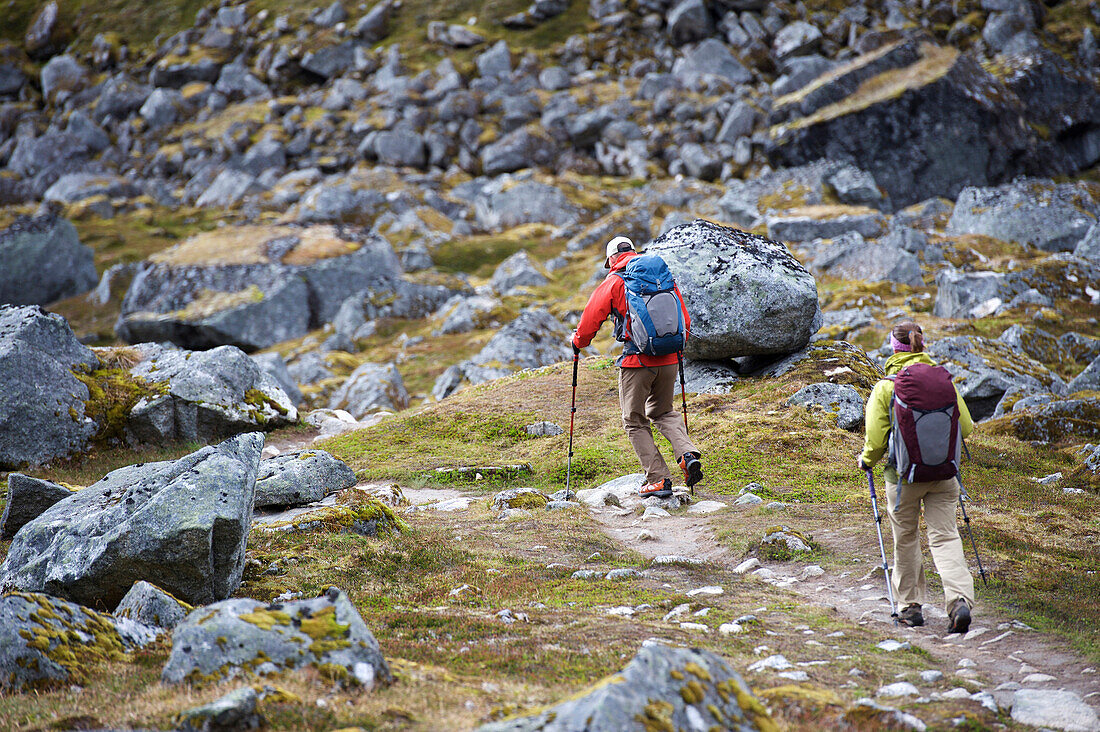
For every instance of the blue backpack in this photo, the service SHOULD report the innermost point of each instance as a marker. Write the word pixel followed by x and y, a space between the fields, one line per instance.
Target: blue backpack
pixel 654 318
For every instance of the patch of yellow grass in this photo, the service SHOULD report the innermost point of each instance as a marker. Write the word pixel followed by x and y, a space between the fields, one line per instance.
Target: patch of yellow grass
pixel 248 244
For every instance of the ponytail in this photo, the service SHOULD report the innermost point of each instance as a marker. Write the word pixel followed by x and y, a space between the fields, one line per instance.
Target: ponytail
pixel 908 337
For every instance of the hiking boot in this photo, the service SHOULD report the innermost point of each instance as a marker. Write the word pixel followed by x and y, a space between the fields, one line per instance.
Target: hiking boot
pixel 911 615
pixel 693 469
pixel 657 489
pixel 959 615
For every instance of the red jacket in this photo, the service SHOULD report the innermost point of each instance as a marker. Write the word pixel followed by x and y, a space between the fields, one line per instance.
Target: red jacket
pixel 610 299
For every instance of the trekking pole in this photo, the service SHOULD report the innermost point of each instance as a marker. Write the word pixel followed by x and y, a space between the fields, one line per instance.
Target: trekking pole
pixel 683 398
pixel 966 521
pixel 882 547
pixel 572 416
pixel 683 394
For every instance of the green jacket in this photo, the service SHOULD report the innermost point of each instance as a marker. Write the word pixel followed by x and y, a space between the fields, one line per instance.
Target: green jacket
pixel 878 412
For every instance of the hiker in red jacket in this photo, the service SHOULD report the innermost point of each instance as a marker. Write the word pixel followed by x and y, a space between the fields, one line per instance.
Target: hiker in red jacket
pixel 647 384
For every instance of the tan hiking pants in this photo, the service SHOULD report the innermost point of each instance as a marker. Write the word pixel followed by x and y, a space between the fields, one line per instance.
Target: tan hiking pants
pixel 939 498
pixel 646 395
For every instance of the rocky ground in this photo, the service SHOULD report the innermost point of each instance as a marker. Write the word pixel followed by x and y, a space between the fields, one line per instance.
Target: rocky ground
pixel 285 294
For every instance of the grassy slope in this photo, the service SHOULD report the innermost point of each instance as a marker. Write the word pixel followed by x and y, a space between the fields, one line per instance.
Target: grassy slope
pixel 448 651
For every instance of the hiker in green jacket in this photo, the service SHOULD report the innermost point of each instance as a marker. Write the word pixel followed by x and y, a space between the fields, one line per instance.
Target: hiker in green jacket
pixel 938 498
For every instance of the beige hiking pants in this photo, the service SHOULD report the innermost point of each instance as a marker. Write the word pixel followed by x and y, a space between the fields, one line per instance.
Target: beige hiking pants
pixel 939 498
pixel 646 395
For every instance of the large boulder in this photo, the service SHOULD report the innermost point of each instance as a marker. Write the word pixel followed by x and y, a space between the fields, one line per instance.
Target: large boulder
pixel 925 120
pixel 710 59
pixel 252 287
pixel 746 294
pixel 42 403
pixel 840 399
pixel 518 270
pixel 854 258
pixel 204 396
pixel 151 606
pixel 984 370
pixel 536 338
pixel 501 206
pixel 522 148
pixel 663 687
pixel 27 499
pixel 371 388
pixel 42 260
pixel 244 637
pixel 46 642
pixel 1051 216
pixel 1044 418
pixel 296 478
pixel 181 525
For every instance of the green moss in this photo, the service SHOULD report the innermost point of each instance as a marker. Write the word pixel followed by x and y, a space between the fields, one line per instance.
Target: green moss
pixel 656 716
pixel 266 619
pixel 692 692
pixel 112 394
pixel 261 403
pixel 326 632
pixel 362 513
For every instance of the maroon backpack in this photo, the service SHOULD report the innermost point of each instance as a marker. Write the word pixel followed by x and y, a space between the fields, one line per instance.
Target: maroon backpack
pixel 925 439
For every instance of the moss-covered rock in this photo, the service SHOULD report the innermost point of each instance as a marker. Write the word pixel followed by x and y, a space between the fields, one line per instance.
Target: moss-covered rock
pixel 662 688
pixel 361 514
pixel 46 641
pixel 1065 419
pixel 519 498
pixel 243 637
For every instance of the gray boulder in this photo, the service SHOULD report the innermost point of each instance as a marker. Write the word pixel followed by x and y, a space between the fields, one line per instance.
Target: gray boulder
pixel 402 148
pixel 688 21
pixel 42 260
pixel 227 189
pixel 682 688
pixel 932 122
pixel 234 711
pixel 27 499
pixel 12 79
pixel 710 58
pixel 42 404
pixel 840 399
pixel 1081 348
pixel 1046 418
pixel 1089 246
pixel 498 207
pixel 984 370
pixel 1087 380
pixel 518 149
pixel 746 294
pixel 701 162
pixel 297 478
pixel 709 377
pixel 746 202
pixel 253 286
pixel 463 314
pixel 204 396
pixel 181 525
pixel 796 39
pixel 74 187
pixel 121 96
pixel 151 606
pixel 806 223
pixel 62 75
pixel 47 642
pixel 1036 212
pixel 175 72
pixel 536 338
pixel 495 62
pixel 326 633
pixel 962 294
pixel 372 27
pixel 330 202
pixel 518 270
pixel 852 258
pixel 163 108
pixel 237 83
pixel 331 61
pixel 371 388
pixel 1037 344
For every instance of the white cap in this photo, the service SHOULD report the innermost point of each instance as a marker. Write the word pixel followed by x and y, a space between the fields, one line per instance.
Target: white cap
pixel 615 246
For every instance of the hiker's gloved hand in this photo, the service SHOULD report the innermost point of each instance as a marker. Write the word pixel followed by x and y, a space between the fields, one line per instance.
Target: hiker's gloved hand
pixel 576 350
pixel 862 465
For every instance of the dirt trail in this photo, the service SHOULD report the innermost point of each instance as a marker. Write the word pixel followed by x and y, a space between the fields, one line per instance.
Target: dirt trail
pixel 1004 651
